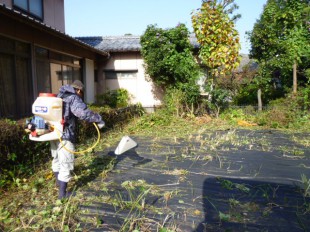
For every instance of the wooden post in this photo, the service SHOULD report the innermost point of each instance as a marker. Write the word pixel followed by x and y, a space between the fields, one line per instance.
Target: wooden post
pixel 295 78
pixel 259 99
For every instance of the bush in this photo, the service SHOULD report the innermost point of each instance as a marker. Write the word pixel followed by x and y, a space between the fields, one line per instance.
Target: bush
pixel 282 113
pixel 112 117
pixel 171 65
pixel 174 101
pixel 18 154
pixel 303 98
pixel 168 55
pixel 235 115
pixel 114 98
pixel 219 99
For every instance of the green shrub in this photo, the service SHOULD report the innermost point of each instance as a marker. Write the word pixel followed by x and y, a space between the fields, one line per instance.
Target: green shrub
pixel 112 117
pixel 114 98
pixel 168 56
pixel 247 94
pixel 18 155
pixel 235 115
pixel 171 65
pixel 219 98
pixel 283 113
pixel 303 98
pixel 174 100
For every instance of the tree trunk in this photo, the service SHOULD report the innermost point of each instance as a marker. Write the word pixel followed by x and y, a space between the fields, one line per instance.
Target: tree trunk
pixel 295 78
pixel 259 99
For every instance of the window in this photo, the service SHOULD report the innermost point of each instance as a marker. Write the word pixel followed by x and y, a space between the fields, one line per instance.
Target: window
pixel 54 70
pixel 16 93
pixel 32 7
pixel 121 74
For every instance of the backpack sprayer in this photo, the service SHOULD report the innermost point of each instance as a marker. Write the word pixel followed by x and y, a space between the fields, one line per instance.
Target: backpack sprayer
pixel 47 124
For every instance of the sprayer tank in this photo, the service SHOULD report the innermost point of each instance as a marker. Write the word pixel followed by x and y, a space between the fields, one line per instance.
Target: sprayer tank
pixel 49 107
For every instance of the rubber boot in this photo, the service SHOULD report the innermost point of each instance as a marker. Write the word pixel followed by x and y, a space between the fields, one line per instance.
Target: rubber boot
pixel 56 176
pixel 62 189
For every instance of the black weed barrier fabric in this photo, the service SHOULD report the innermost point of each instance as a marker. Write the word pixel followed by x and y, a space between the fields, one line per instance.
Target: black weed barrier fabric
pixel 234 180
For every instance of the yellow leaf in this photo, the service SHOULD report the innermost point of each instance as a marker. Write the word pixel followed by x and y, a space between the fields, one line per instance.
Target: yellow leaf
pixel 49 176
pixel 244 123
pixel 197 212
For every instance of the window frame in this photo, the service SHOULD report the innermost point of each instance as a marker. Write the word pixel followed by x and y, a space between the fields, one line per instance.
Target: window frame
pixel 70 68
pixel 28 10
pixel 18 53
pixel 116 72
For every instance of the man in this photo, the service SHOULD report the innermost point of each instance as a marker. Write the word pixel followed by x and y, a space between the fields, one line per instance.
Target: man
pixel 73 108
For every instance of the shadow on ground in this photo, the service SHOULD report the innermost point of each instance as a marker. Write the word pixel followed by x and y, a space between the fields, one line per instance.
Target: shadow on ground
pixel 247 205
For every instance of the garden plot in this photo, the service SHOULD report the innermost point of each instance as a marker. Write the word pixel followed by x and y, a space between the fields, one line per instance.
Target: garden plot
pixel 234 180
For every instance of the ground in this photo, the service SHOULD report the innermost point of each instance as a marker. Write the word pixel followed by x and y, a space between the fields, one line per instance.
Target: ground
pixel 226 180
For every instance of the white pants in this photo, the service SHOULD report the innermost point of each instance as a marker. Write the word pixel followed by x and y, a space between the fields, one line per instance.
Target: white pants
pixel 63 159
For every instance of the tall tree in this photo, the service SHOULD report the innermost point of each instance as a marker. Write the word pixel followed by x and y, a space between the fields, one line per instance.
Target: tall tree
pixel 217 36
pixel 280 39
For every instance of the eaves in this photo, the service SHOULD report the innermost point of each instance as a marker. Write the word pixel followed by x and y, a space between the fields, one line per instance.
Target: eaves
pixel 27 20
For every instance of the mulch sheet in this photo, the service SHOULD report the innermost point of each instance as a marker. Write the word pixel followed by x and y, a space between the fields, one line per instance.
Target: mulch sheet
pixel 234 180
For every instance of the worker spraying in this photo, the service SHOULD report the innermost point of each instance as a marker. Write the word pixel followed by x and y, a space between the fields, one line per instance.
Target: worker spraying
pixel 56 121
pixel 73 108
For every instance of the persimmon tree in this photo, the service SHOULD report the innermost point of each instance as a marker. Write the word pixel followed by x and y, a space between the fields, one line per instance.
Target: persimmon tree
pixel 217 36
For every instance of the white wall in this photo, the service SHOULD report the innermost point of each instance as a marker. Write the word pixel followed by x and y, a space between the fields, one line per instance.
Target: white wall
pixel 89 81
pixel 140 88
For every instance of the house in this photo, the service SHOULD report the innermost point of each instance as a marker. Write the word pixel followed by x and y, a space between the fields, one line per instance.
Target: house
pixel 124 69
pixel 37 56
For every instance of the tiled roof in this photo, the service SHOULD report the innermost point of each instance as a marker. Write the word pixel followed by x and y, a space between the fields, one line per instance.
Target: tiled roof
pixel 193 41
pixel 121 43
pixel 245 60
pixel 113 43
pixel 130 43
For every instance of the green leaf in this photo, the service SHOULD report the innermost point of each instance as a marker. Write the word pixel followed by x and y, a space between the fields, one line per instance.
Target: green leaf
pixel 224 217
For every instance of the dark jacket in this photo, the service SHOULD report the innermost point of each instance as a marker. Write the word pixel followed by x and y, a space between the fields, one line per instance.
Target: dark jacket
pixel 74 108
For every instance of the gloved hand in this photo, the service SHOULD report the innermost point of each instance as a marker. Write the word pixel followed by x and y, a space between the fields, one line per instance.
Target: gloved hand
pixel 101 124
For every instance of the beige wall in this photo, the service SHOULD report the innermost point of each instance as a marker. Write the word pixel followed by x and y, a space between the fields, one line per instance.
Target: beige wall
pixel 7 2
pixel 53 13
pixel 140 88
pixel 89 81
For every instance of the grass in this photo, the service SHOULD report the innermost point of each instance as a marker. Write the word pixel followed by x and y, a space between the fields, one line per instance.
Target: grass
pixel 306 185
pixel 31 205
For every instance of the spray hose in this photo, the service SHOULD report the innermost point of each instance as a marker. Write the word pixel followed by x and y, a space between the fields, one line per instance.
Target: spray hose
pixel 83 151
